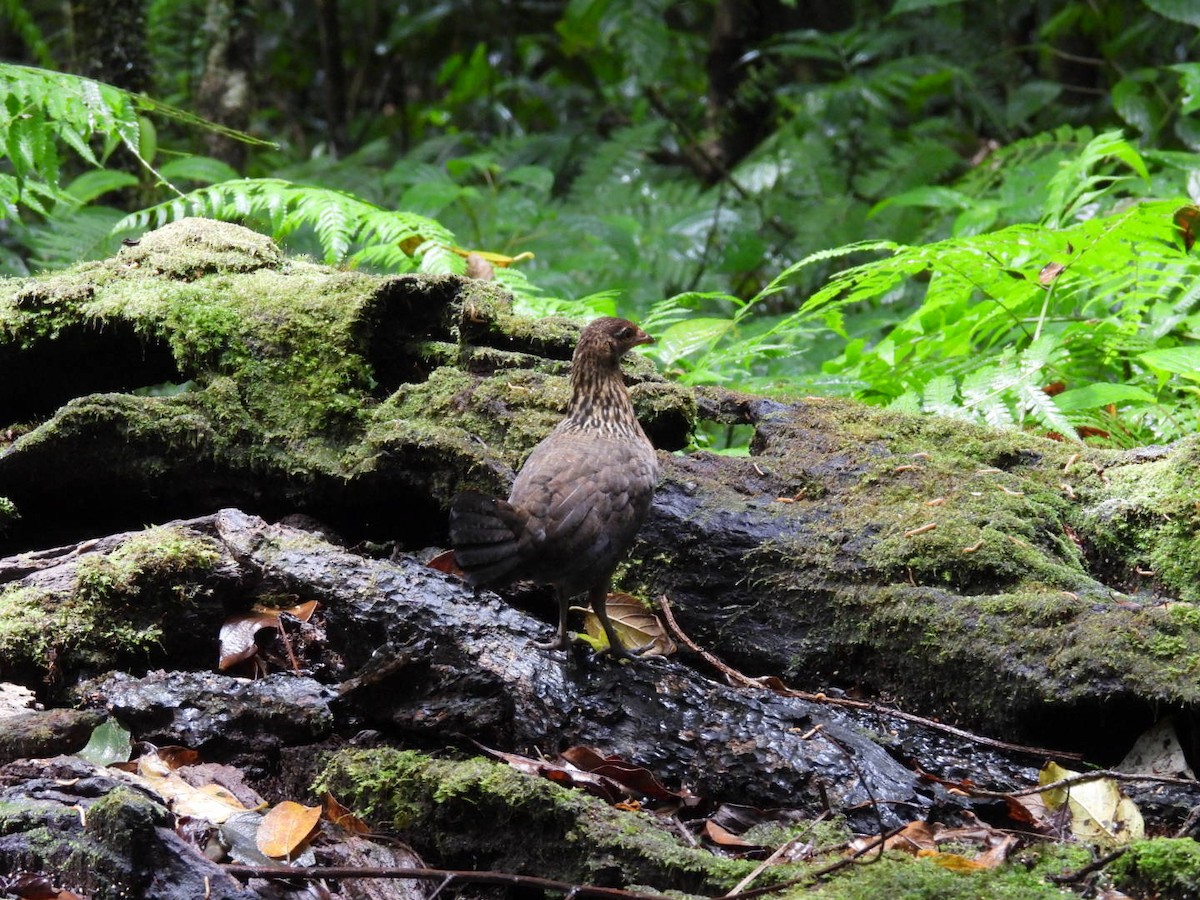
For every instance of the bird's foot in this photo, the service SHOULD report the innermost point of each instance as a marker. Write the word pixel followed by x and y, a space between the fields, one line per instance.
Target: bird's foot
pixel 560 642
pixel 619 651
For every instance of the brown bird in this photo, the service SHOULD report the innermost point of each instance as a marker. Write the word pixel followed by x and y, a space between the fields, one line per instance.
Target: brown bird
pixel 581 496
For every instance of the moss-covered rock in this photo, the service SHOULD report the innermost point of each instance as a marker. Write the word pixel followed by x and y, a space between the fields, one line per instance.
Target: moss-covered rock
pixel 199 368
pixel 955 568
pixel 128 607
pixel 996 577
pixel 485 815
pixel 896 875
pixel 103 839
pixel 1162 867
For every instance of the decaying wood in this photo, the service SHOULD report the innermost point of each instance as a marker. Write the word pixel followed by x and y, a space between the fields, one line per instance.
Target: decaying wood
pixel 458 662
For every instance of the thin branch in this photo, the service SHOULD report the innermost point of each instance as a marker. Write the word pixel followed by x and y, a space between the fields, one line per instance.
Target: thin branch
pixel 1082 873
pixel 339 873
pixel 784 849
pixel 1083 778
pixel 746 681
pixel 818 874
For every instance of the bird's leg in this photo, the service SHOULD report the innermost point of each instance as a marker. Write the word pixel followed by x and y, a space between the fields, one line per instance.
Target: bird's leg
pixel 562 640
pixel 598 596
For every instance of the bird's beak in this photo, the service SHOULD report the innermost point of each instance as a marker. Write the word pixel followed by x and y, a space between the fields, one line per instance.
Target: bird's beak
pixel 643 338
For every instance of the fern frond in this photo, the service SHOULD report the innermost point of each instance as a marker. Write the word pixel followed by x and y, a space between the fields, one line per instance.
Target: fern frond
pixel 1078 181
pixel 43 110
pixel 347 227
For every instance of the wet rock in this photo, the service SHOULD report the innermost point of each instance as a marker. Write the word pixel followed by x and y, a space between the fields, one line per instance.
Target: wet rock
pixel 226 717
pixel 41 733
pixel 99 836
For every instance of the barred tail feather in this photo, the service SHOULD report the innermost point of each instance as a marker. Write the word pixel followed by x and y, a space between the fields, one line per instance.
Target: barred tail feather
pixel 486 535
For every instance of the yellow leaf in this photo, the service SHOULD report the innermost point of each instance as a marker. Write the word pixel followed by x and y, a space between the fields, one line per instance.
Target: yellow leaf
pixel 409 245
pixel 954 862
pixel 1100 812
pixel 185 800
pixel 285 828
pixel 635 625
pixel 496 259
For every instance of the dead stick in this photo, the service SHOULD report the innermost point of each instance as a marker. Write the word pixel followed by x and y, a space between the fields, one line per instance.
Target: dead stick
pixel 335 873
pixel 1080 874
pixel 818 874
pixel 1083 777
pixel 746 681
pixel 774 857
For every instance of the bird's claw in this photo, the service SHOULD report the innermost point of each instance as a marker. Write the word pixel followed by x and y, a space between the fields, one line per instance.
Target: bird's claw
pixel 559 643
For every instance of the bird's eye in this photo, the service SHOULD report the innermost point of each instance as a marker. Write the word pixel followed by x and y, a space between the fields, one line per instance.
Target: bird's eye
pixel 624 332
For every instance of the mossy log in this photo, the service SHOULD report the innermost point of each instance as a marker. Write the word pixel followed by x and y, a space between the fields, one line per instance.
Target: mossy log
pixel 1013 583
pixel 418 654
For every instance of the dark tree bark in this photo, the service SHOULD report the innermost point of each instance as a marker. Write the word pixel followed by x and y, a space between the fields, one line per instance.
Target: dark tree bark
pixel 110 42
pixel 334 72
pixel 226 89
pixel 744 114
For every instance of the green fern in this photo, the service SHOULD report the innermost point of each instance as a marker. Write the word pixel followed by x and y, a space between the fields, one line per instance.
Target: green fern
pixel 1004 314
pixel 44 110
pixel 347 228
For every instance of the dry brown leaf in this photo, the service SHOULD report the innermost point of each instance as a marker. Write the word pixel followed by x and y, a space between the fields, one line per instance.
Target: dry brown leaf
pixel 285 828
pixel 719 835
pixel 28 886
pixel 998 852
pixel 1186 218
pixel 1049 272
pixel 635 625
pixel 446 562
pixel 175 757
pixel 914 837
pixel 237 636
pixel 302 611
pixel 238 632
pixel 342 817
pixel 636 780
pixel 479 268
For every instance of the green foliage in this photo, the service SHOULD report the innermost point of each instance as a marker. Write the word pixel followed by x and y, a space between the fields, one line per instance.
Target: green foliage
pixel 1104 307
pixel 58 157
pixel 1166 867
pixel 346 227
pixel 1032 276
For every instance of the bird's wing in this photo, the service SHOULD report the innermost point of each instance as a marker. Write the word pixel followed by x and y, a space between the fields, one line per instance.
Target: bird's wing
pixel 589 496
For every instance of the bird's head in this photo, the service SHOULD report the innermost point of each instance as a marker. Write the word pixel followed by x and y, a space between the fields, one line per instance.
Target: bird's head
pixel 608 339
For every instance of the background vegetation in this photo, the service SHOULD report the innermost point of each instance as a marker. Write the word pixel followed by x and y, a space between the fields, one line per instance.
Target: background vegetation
pixel 980 209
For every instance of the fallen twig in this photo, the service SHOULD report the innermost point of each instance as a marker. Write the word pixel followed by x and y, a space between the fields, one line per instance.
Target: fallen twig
pixel 746 681
pixel 783 850
pixel 818 874
pixel 1082 777
pixel 1085 871
pixel 446 876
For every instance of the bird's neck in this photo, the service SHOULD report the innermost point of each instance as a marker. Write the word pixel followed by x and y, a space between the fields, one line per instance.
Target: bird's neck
pixel 600 400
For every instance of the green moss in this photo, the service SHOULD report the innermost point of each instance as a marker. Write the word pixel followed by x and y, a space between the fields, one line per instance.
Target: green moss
pixel 125 819
pixel 105 614
pixel 1145 518
pixel 510 412
pixel 900 876
pixel 475 806
pixel 222 299
pixel 154 558
pixel 1165 867
pixel 928 551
